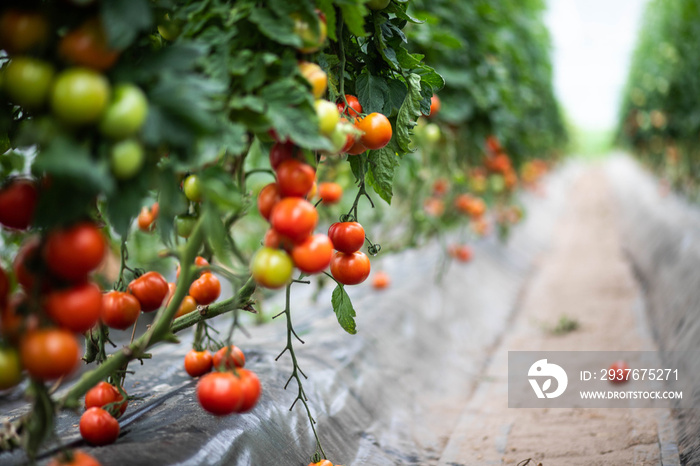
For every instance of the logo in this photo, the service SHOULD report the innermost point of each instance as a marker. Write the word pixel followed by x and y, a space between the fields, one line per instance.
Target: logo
pixel 542 368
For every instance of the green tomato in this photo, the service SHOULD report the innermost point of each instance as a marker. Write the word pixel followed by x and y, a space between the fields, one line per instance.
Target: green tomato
pixel 169 29
pixel 497 182
pixel 377 4
pixel 271 268
pixel 27 81
pixel 431 132
pixel 328 116
pixel 126 158
pixel 125 113
pixel 338 138
pixel 312 41
pixel 10 368
pixel 184 225
pixel 193 188
pixel 79 96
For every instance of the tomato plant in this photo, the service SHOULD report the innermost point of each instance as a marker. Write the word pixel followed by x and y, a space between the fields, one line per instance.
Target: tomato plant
pixel 120 310
pixel 198 363
pixel 98 427
pixel 377 130
pixel 104 394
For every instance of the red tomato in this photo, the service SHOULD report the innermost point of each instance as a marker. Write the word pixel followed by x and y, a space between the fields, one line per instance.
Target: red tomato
pixel 74 458
pixel 274 240
pixel 87 46
pixel 199 261
pixel 98 427
pixel 17 203
pixel 220 393
pixel 229 357
pixel 377 129
pixel 314 254
pixel 283 151
pixel 198 363
pixel 435 105
pixel 150 289
pixel 347 237
pixel 103 394
pixel 295 178
pixel 120 310
pixel 462 253
pixel 76 309
pixel 330 193
pixel 48 354
pixel 350 269
pixel 250 385
pixel 294 218
pixel 356 149
pixel 22 30
pixel 71 253
pixel 205 289
pixel 354 104
pixel 269 196
pixel 381 280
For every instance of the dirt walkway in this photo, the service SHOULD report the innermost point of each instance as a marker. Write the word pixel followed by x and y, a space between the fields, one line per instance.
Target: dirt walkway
pixel 586 277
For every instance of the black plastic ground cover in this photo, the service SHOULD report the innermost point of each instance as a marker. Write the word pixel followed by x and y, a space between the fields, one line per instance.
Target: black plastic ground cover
pixel 389 395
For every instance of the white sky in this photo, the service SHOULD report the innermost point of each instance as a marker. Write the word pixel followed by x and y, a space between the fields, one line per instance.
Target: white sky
pixel 593 41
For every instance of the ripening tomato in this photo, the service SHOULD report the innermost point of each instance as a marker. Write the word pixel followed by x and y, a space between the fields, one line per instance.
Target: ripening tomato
pixel 10 368
pixel 199 261
pixel 314 254
pixel 381 280
pixel 328 116
pixel 329 192
pixel 103 394
pixel 198 363
pixel 282 151
pixel 294 218
pixel 228 357
pixel 315 76
pixel 271 268
pixel 355 108
pixel 347 237
pixel 312 39
pixel 322 463
pixel 350 269
pixel 98 427
pixel 72 253
pixel 150 289
pixel 356 149
pixel 206 289
pixel 295 178
pixel 268 197
pixel 147 217
pixel 87 46
pixel 49 353
pixel 79 96
pixel 74 458
pixel 493 144
pixel 435 105
pixel 120 310
pixel 250 385
pixel 21 30
pixel 17 203
pixel 187 306
pixel 27 81
pixel 220 393
pixel 76 309
pixel 377 130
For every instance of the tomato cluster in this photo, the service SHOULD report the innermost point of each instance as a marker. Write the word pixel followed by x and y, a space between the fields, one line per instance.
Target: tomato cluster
pixel 204 290
pixel 349 265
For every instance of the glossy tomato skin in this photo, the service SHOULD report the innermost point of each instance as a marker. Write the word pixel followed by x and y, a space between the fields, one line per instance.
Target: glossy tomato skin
pixel 347 237
pixel 350 269
pixel 10 368
pixel 295 178
pixel 87 46
pixel 251 387
pixel 193 188
pixel 294 218
pixel 150 289
pixel 355 108
pixel 206 289
pixel 98 427
pixel 77 458
pixel 27 81
pixel 198 363
pixel 77 308
pixel 329 192
pixel 268 197
pixel 188 304
pixel 228 357
pixel 314 254
pixel 103 394
pixel 377 130
pixel 17 203
pixel 120 310
pixel 21 31
pixel 71 253
pixel 79 96
pixel 220 393
pixel 48 354
pixel 146 219
pixel 271 268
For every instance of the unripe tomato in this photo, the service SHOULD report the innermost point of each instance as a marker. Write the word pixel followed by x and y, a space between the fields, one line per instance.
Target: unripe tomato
pixel 295 178
pixel 315 76
pixel 355 108
pixel 98 427
pixel 271 268
pixel 120 310
pixel 103 394
pixel 220 393
pixel 126 159
pixel 27 81
pixel 125 113
pixel 72 253
pixel 48 354
pixel 377 131
pixel 206 289
pixel 350 269
pixel 377 4
pixel 18 200
pixel 193 188
pixel 330 193
pixel 21 31
pixel 150 289
pixel 76 309
pixel 198 363
pixel 381 280
pixel 269 196
pixel 228 357
pixel 328 116
pixel 10 368
pixel 187 305
pixel 281 151
pixel 79 96
pixel 250 385
pixel 87 46
pixel 314 254
pixel 294 218
pixel 312 40
pixel 184 225
pixel 432 133
pixel 168 28
pixel 74 458
pixel 347 237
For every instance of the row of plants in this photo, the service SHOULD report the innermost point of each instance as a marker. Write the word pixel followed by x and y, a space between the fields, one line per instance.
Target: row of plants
pixel 261 144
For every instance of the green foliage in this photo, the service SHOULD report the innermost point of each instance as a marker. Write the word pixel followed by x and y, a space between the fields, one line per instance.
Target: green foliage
pixel 342 306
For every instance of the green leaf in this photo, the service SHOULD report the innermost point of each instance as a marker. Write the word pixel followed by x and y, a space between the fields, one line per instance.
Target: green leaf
pixel 382 165
pixel 358 165
pixel 371 91
pixel 400 11
pixel 278 28
pixel 409 112
pixel 10 162
pixel 215 233
pixel 124 19
pixel 124 205
pixel 342 306
pixel 354 17
pixel 171 201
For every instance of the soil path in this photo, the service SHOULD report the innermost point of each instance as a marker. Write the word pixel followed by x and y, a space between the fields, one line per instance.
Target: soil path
pixel 584 276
